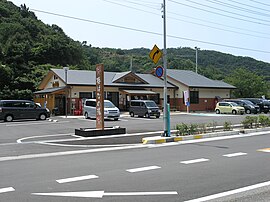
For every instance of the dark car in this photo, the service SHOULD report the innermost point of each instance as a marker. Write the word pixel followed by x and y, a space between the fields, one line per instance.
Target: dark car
pixel 22 109
pixel 145 108
pixel 249 106
pixel 262 103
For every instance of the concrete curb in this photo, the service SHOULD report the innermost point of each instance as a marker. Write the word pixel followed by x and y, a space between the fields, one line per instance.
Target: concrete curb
pixel 160 140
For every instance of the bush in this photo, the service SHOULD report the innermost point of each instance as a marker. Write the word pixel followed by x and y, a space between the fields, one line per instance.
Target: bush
pixel 250 121
pixel 227 126
pixel 264 120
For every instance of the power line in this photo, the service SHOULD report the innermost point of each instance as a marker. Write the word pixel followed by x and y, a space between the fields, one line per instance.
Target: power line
pixel 227 11
pixel 199 24
pixel 149 32
pixel 235 18
pixel 260 3
pixel 250 6
pixel 238 8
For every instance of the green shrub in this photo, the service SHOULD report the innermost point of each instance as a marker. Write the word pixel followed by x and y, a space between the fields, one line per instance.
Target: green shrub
pixel 182 129
pixel 264 120
pixel 227 126
pixel 250 121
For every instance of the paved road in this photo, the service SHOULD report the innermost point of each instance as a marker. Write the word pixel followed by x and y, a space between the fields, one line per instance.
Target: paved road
pixel 167 172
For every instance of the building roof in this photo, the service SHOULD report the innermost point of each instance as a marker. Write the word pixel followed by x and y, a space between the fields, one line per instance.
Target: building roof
pixel 192 79
pixel 84 77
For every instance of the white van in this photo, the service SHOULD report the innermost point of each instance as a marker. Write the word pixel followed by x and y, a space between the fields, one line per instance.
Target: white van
pixel 110 110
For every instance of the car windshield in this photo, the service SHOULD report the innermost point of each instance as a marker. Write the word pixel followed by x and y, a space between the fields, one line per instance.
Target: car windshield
pixel 150 104
pixel 108 104
pixel 247 102
pixel 234 104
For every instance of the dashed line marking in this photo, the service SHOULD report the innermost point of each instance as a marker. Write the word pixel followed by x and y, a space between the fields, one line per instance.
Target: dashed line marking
pixel 134 170
pixel 264 150
pixel 194 161
pixel 7 189
pixel 235 154
pixel 75 179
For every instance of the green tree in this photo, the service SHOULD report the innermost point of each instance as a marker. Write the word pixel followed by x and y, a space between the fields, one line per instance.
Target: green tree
pixel 248 83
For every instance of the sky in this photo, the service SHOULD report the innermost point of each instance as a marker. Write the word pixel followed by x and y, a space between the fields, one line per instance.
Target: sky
pixel 238 27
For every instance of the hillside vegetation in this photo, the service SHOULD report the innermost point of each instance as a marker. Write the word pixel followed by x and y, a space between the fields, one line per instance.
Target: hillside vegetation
pixel 29 48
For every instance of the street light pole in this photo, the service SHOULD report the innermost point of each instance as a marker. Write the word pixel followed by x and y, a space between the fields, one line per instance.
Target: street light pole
pixel 196 48
pixel 66 72
pixel 165 108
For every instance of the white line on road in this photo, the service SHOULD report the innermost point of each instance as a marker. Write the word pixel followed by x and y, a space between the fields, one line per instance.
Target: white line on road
pixel 134 170
pixel 7 189
pixel 194 161
pixel 231 192
pixel 39 123
pixel 235 154
pixel 74 179
pixel 100 194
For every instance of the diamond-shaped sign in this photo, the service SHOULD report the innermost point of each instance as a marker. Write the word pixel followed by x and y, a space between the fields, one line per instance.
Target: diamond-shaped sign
pixel 155 54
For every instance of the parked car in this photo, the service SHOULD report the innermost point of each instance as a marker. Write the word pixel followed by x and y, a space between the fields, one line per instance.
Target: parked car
pixel 229 108
pixel 262 103
pixel 145 108
pixel 22 109
pixel 249 106
pixel 110 110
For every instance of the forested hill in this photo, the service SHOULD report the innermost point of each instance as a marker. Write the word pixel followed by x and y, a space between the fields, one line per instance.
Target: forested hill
pixel 29 48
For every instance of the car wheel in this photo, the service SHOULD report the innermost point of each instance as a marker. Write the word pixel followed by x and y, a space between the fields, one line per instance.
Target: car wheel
pixel 42 117
pixel 147 115
pixel 86 115
pixel 132 114
pixel 234 112
pixel 157 117
pixel 9 118
pixel 116 119
pixel 248 111
pixel 217 111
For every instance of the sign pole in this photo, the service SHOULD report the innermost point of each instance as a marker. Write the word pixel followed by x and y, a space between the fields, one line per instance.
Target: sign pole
pixel 165 109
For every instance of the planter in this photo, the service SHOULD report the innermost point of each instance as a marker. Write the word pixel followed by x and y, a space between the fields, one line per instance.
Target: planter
pixel 93 132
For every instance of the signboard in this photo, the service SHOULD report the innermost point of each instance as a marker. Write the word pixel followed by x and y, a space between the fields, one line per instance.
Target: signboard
pixel 159 71
pixel 186 98
pixel 100 96
pixel 155 54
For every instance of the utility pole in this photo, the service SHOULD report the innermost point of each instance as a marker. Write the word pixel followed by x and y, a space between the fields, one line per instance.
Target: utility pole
pixel 165 108
pixel 66 74
pixel 196 48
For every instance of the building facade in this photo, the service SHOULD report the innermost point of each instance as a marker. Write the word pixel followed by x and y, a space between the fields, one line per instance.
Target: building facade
pixel 120 87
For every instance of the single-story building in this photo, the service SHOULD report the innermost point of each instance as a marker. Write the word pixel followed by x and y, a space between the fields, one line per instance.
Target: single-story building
pixel 121 87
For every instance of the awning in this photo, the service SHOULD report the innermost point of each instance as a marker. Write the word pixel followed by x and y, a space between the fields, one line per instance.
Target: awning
pixel 141 92
pixel 50 90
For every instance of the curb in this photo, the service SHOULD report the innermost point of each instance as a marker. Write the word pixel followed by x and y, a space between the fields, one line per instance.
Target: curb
pixel 160 140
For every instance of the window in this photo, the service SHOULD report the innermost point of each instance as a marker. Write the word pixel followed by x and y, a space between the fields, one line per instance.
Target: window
pixel 85 94
pixel 90 103
pixel 194 97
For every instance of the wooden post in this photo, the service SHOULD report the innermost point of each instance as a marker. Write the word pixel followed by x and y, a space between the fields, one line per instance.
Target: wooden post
pixel 100 96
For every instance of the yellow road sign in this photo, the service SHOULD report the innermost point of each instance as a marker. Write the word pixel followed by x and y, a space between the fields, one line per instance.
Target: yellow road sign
pixel 155 54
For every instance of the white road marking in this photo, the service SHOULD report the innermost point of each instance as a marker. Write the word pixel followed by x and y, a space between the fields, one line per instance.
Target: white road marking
pixel 194 161
pixel 231 192
pixel 43 136
pixel 65 153
pixel 74 179
pixel 235 154
pixel 39 123
pixel 264 150
pixel 7 189
pixel 134 170
pixel 100 194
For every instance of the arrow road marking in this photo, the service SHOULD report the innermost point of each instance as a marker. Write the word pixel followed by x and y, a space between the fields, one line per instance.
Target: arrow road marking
pixel 7 189
pixel 100 194
pixel 74 179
